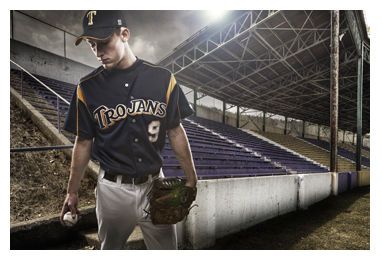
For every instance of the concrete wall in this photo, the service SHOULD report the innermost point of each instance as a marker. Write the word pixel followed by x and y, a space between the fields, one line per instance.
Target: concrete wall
pixel 347 181
pixel 313 188
pixel 363 178
pixel 227 206
pixel 40 62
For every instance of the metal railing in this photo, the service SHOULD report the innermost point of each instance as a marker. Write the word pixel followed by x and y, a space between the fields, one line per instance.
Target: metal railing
pixel 39 148
pixel 59 97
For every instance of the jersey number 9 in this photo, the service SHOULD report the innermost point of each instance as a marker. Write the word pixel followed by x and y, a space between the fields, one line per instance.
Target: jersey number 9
pixel 154 130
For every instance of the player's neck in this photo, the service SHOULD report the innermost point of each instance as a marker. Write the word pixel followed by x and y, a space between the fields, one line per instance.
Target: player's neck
pixel 128 60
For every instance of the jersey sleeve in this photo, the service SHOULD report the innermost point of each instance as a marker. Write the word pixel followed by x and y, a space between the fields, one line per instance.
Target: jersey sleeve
pixel 178 106
pixel 78 120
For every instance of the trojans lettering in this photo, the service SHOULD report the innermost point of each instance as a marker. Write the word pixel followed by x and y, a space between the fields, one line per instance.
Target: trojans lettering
pixel 107 117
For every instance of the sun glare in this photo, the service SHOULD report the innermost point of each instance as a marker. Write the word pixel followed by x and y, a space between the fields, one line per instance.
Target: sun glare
pixel 217 13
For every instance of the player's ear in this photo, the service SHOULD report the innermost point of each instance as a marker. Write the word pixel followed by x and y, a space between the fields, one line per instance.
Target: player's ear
pixel 125 34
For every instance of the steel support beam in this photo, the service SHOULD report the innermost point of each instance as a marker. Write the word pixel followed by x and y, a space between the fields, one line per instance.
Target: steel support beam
pixel 264 121
pixel 195 99
pixel 237 116
pixel 352 22
pixel 214 41
pixel 354 29
pixel 224 109
pixel 334 74
pixel 359 110
pixel 366 52
pixel 286 125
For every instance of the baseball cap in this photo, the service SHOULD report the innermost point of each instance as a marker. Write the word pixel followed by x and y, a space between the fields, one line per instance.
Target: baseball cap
pixel 101 24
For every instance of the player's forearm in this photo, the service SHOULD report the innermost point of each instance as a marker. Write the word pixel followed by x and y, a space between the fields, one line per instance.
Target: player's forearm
pixel 80 159
pixel 181 148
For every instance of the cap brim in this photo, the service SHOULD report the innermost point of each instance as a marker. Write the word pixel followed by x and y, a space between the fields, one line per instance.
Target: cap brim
pixel 96 34
pixel 78 41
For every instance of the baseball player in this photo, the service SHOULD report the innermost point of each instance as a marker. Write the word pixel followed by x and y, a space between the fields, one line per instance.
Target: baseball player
pixel 126 106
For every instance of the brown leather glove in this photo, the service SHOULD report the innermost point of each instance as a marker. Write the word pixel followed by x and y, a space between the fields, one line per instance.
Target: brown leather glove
pixel 170 200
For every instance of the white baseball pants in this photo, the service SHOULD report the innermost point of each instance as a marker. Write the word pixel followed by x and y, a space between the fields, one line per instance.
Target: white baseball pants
pixel 119 208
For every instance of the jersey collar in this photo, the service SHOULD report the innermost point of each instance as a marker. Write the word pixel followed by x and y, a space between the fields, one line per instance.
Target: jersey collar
pixel 126 70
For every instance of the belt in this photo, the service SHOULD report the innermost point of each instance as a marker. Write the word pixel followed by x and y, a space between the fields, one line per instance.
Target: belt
pixel 127 179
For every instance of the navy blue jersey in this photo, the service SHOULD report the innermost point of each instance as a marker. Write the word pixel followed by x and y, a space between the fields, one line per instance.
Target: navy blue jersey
pixel 127 112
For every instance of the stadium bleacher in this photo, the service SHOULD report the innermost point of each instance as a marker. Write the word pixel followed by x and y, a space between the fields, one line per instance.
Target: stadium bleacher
pixel 44 100
pixel 270 151
pixel 309 150
pixel 215 157
pixel 353 148
pixel 341 151
pixel 62 88
pixel 219 150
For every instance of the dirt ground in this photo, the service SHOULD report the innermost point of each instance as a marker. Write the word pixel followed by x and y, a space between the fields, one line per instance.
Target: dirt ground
pixel 38 179
pixel 38 182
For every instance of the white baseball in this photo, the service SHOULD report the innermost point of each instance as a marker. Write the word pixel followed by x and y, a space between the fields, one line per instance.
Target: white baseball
pixel 69 221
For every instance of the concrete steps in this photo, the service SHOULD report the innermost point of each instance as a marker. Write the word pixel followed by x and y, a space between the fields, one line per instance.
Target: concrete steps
pixel 135 241
pixel 310 151
pixel 354 149
pixel 37 100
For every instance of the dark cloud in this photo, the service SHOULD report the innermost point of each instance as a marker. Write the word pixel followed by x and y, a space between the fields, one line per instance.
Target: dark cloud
pixel 153 33
pixel 161 31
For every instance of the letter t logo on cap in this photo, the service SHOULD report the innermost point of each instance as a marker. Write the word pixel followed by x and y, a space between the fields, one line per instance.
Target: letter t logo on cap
pixel 90 16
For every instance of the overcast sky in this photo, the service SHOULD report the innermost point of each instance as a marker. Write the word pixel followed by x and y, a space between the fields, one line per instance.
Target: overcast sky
pixel 153 33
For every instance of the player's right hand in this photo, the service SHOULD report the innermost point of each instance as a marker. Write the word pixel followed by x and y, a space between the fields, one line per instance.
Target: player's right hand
pixel 70 204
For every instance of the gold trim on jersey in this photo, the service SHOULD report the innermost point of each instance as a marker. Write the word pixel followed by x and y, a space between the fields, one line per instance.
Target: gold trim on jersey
pixel 93 76
pixel 171 86
pixel 156 66
pixel 80 95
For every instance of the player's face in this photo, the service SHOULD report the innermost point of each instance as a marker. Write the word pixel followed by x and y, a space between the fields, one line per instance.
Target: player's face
pixel 109 52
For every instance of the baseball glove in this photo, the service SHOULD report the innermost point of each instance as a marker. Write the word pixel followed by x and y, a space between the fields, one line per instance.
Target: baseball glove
pixel 170 200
